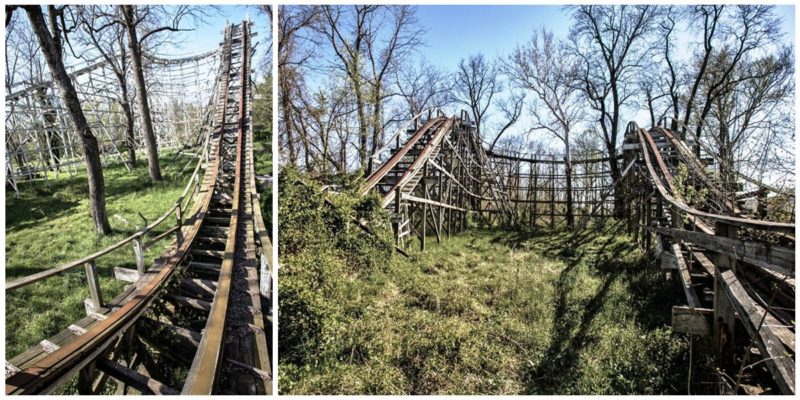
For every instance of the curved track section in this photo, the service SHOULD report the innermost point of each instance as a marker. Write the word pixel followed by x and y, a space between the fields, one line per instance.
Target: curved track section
pixel 736 270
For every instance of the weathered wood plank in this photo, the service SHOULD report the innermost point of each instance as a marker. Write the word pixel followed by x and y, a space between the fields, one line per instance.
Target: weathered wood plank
pixel 776 258
pixel 696 321
pixel 126 274
pixel 685 277
pixel 776 358
pixel 142 383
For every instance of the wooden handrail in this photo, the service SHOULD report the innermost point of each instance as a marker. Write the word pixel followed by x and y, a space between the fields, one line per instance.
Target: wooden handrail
pixel 30 279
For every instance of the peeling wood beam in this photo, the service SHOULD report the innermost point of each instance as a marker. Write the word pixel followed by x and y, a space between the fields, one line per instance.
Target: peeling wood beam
pixel 777 359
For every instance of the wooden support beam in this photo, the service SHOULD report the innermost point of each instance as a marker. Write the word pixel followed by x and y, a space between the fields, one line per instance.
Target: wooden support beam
pixel 201 287
pixel 420 200
pixel 777 359
pixel 692 320
pixel 142 383
pixel 685 277
pixel 776 258
pixel 157 329
pixel 138 253
pixel 189 302
pixel 94 283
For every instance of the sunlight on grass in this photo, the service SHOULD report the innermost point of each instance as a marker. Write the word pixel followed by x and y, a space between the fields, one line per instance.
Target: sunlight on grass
pixel 49 225
pixel 485 311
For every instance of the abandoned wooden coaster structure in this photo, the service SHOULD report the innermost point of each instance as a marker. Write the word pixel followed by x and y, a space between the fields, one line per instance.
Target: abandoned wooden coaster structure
pixel 735 268
pixel 198 320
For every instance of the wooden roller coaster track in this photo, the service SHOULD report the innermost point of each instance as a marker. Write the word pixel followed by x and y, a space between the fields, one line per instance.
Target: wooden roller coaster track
pixel 197 321
pixel 736 270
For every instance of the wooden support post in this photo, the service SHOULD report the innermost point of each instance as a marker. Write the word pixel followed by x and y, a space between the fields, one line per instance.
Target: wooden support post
pixel 648 221
pixel 424 206
pixel 397 219
pixel 553 193
pixel 724 334
pixel 94 284
pixel 440 189
pixel 138 252
pixel 179 224
pixel 86 377
pixel 535 196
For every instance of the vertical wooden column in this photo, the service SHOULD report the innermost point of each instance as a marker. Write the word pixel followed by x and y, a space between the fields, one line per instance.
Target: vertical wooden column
pixel 397 218
pixel 535 196
pixel 553 193
pixel 440 189
pixel 86 377
pixel 724 329
pixel 138 252
pixel 179 223
pixel 94 284
pixel 423 234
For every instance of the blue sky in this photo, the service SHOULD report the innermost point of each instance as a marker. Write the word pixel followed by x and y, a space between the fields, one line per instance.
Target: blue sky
pixel 456 31
pixel 207 36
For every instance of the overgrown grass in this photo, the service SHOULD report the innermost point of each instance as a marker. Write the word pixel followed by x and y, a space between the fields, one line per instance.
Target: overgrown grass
pixel 483 312
pixel 49 224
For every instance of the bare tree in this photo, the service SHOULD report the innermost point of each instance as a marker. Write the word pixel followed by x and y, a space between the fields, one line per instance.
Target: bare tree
pixel 511 108
pixel 710 15
pixel 753 27
pixel 368 41
pixel 150 20
pixel 609 41
pixel 385 55
pixel 292 53
pixel 99 24
pixel 422 87
pixel 51 46
pixel 672 89
pixel 546 68
pixel 477 82
pixel 746 106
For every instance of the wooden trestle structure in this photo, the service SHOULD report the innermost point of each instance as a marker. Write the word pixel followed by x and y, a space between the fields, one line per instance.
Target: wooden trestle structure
pixel 197 320
pixel 40 141
pixel 735 269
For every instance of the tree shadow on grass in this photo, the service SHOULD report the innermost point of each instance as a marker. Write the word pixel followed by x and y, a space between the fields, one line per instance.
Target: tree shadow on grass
pixel 557 368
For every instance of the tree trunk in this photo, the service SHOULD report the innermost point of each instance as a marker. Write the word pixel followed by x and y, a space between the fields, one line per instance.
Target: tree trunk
pixel 141 89
pixel 568 176
pixel 130 139
pixel 362 124
pixel 377 126
pixel 619 201
pixel 287 119
pixel 94 169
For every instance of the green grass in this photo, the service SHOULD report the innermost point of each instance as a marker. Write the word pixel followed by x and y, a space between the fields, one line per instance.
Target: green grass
pixel 49 225
pixel 485 312
pixel 262 153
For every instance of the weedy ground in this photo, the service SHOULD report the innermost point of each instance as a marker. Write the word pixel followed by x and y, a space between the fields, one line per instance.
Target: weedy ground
pixel 485 311
pixel 49 224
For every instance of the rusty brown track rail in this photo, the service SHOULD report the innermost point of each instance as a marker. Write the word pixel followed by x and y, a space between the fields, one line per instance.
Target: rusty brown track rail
pixel 204 371
pixel 767 226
